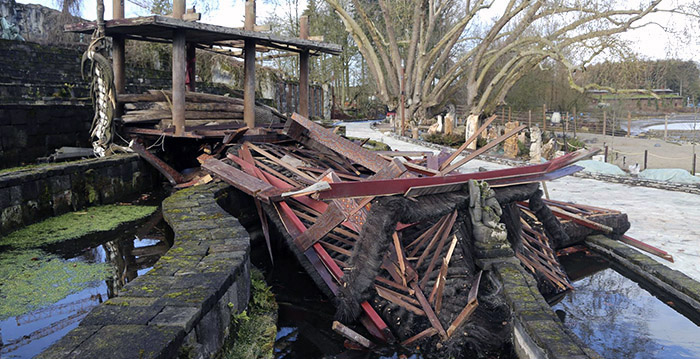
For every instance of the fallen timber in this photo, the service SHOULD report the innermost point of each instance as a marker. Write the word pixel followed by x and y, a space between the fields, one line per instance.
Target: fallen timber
pixel 419 286
pixel 406 250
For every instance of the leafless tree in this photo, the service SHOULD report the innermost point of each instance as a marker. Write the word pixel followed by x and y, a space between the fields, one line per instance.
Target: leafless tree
pixel 481 48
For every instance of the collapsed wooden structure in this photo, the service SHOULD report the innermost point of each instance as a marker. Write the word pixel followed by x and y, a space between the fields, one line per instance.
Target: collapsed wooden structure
pixel 319 189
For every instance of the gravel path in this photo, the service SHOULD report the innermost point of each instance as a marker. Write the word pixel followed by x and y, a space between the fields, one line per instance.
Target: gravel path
pixel 665 219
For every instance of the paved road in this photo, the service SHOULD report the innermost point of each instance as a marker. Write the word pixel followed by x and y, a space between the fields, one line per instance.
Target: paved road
pixel 665 219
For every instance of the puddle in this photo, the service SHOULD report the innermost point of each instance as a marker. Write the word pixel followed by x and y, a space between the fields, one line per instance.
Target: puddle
pixel 128 254
pixel 617 318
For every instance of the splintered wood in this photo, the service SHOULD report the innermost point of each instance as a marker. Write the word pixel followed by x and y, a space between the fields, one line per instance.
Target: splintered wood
pixel 322 187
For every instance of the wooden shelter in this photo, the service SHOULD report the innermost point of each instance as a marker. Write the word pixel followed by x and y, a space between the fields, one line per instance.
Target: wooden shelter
pixel 185 34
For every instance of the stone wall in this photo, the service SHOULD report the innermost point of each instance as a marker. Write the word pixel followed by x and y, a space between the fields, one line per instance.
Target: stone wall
pixel 38 23
pixel 682 290
pixel 183 306
pixel 31 195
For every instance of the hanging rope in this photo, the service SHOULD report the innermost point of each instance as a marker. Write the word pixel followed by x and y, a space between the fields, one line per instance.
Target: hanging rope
pixel 102 90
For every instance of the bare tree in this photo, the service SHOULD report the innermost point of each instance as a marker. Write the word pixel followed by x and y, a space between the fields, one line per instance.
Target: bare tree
pixel 481 48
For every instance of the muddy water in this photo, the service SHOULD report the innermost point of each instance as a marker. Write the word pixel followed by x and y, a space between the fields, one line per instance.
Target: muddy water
pixel 619 319
pixel 130 253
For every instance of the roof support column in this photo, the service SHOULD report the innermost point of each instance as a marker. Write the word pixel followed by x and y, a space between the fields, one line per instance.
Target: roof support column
pixel 179 67
pixel 118 54
pixel 249 67
pixel 304 69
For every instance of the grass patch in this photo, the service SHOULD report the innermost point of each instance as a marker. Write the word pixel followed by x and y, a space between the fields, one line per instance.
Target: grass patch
pixel 255 329
pixel 75 225
pixel 32 279
pixel 451 140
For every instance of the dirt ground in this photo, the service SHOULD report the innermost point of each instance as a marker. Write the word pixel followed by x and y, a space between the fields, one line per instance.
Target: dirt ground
pixel 626 151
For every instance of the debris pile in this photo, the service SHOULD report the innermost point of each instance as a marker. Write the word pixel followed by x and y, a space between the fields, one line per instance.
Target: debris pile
pixel 398 240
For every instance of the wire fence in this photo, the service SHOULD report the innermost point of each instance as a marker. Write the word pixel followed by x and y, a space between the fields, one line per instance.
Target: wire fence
pixel 618 124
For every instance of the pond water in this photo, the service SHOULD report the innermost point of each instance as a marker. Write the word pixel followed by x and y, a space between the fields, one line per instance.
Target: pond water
pixel 305 317
pixel 616 317
pixel 683 126
pixel 130 253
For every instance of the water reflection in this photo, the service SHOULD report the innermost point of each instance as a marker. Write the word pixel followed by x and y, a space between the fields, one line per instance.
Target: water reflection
pixel 618 319
pixel 131 254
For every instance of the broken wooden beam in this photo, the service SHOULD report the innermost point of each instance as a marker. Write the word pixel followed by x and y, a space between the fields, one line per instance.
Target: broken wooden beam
pixel 350 334
pixel 173 176
pixel 340 145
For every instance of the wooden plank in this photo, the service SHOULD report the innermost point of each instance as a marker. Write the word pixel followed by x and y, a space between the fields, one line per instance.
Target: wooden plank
pixel 338 214
pixel 424 334
pixel 434 321
pixel 302 174
pixel 399 300
pixel 173 176
pixel 340 145
pixel 472 303
pixel 438 251
pixel 646 247
pixel 396 285
pixel 235 177
pixel 418 242
pixel 464 146
pixel 436 293
pixel 350 334
pixel 399 256
pixel 483 149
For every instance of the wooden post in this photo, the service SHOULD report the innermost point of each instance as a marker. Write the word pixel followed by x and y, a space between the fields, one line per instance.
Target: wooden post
pixel 179 67
pixel 249 67
pixel 646 153
pixel 178 8
pixel 694 158
pixel 575 114
pixel 118 54
pixel 544 117
pixel 566 123
pixel 629 124
pixel 304 69
pixel 509 118
pixel 606 154
pixel 403 103
pixel 529 118
pixel 605 121
pixel 665 127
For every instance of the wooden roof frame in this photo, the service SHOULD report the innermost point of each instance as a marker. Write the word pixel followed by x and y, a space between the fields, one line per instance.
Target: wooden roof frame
pixel 158 28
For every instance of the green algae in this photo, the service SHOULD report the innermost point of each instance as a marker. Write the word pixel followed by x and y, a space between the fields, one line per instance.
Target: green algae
pixel 75 225
pixel 256 328
pixel 32 279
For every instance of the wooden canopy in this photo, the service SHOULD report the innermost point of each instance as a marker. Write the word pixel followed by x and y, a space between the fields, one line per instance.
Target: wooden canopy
pixel 160 28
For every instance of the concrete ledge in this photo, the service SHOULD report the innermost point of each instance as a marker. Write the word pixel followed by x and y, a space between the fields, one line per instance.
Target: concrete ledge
pixel 537 332
pixel 683 290
pixel 31 195
pixel 183 306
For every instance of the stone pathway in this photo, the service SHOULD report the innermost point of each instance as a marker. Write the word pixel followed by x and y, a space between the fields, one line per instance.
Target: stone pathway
pixel 665 219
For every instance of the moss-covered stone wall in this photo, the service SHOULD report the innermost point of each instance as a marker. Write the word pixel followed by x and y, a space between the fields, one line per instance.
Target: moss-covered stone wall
pixel 32 194
pixel 183 306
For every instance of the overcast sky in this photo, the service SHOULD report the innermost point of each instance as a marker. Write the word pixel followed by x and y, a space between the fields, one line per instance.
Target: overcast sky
pixel 651 41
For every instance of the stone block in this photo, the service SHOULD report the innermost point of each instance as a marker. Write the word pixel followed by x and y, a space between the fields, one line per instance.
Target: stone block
pixel 210 333
pixel 132 341
pixel 65 346
pixel 183 317
pixel 120 314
